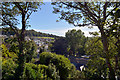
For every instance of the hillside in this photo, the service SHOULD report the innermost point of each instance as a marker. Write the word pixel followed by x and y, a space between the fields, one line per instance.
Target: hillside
pixel 30 33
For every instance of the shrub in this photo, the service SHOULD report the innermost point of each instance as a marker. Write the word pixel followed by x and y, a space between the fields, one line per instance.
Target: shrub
pixel 6 53
pixel 33 71
pixel 61 62
pixel 8 69
pixel 53 72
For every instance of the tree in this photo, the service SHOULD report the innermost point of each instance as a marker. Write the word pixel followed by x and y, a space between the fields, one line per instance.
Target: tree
pixel 76 41
pixel 59 46
pixel 94 48
pixel 114 31
pixel 31 50
pixel 8 63
pixel 10 12
pixel 96 14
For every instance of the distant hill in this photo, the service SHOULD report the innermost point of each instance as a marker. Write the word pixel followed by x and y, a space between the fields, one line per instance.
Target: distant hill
pixel 33 33
pixel 30 33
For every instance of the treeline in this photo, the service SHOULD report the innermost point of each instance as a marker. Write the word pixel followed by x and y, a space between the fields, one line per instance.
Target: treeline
pixel 72 44
pixel 30 33
pixel 33 33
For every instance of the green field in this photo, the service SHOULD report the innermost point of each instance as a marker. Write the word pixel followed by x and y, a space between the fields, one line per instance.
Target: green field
pixel 45 37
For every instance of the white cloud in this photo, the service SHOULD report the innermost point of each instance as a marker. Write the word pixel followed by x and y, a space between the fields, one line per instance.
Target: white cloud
pixel 61 32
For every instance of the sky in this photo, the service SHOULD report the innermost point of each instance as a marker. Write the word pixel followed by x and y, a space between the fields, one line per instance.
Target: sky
pixel 45 21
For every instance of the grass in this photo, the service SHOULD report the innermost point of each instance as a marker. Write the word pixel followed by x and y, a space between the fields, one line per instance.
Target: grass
pixel 45 37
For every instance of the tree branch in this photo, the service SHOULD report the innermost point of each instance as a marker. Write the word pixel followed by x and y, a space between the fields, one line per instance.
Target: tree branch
pixel 104 12
pixel 28 15
pixel 89 12
pixel 86 11
pixel 12 27
pixel 19 7
pixel 113 10
pixel 80 25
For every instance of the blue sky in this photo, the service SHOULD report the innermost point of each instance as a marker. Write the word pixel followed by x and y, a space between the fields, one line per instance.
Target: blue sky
pixel 45 21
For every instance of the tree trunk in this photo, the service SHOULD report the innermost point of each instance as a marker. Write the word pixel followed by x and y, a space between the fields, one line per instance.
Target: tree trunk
pixel 21 62
pixel 21 55
pixel 105 45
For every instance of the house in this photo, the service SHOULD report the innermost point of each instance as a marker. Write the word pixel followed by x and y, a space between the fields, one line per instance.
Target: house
pixel 42 42
pixel 79 62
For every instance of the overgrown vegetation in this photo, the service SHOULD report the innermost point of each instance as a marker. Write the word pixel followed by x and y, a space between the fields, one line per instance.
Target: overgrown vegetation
pixel 19 55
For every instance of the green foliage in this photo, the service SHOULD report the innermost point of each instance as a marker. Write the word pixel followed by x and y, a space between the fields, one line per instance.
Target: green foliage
pixel 97 64
pixel 0 66
pixel 7 31
pixel 91 74
pixel 76 41
pixel 30 50
pixel 10 13
pixel 50 45
pixel 12 9
pixel 98 14
pixel 59 46
pixel 76 74
pixel 62 64
pixel 114 31
pixel 12 44
pixel 90 13
pixel 14 48
pixel 8 68
pixel 33 71
pixel 6 53
pixel 53 72
pixel 31 33
pixel 72 44
pixel 33 60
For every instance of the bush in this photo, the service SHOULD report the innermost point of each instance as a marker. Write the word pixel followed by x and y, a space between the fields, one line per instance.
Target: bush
pixel 53 72
pixel 61 62
pixel 6 53
pixel 77 75
pixel 33 71
pixel 39 72
pixel 8 69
